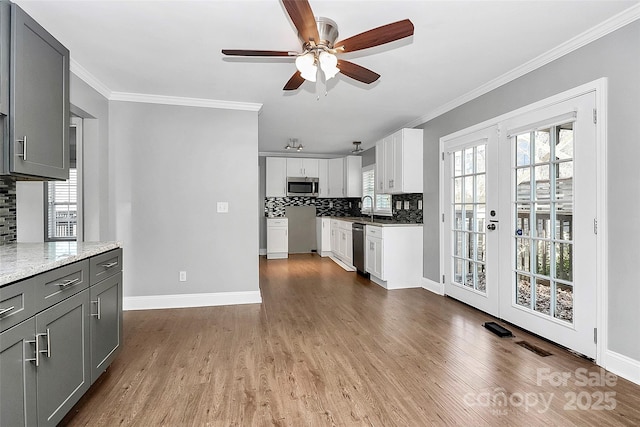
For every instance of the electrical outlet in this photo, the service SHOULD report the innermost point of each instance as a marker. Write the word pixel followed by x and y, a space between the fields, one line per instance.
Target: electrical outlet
pixel 330 205
pixel 419 204
pixel 398 205
pixel 406 205
pixel 183 276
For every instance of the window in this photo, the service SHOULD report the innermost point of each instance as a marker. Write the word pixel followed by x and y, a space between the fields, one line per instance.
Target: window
pixel 61 197
pixel 382 201
pixel 62 208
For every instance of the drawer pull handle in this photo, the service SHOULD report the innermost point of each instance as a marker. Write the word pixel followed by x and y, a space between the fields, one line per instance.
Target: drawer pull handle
pixel 6 310
pixel 97 303
pixel 109 265
pixel 68 283
pixel 48 350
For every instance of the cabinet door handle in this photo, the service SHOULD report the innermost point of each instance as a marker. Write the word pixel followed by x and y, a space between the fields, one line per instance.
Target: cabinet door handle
pixel 109 265
pixel 97 303
pixel 37 352
pixel 48 350
pixel 67 283
pixel 6 310
pixel 24 148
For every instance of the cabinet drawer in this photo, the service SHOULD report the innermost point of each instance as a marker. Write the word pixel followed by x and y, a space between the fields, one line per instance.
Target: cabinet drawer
pixel 374 231
pixel 274 222
pixel 17 303
pixel 59 284
pixel 105 265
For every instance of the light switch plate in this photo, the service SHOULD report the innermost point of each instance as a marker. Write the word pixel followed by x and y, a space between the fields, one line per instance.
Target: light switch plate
pixel 398 205
pixel 419 204
pixel 406 205
pixel 223 207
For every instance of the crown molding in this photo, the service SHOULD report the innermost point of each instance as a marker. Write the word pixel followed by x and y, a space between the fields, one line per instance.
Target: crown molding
pixel 184 101
pixel 89 78
pixel 606 27
pixel 103 90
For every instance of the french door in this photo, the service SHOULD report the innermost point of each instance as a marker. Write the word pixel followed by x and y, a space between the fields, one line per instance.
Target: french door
pixel 519 230
pixel 471 169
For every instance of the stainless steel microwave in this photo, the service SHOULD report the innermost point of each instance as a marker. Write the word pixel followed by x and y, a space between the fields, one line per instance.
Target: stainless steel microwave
pixel 302 187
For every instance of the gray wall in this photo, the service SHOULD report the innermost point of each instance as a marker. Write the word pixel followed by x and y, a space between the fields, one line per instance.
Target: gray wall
pixel 616 57
pixel 171 165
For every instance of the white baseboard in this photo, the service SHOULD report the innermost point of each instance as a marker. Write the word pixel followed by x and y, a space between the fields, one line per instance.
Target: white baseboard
pixel 153 302
pixel 435 287
pixel 622 366
pixel 262 251
pixel 342 264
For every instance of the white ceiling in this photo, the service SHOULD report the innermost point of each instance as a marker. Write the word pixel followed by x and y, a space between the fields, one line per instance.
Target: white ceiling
pixel 172 48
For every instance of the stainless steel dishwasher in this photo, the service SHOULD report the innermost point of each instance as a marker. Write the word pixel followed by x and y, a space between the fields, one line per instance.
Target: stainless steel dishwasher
pixel 358 248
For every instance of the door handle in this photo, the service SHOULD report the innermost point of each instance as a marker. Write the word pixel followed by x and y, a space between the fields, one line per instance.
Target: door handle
pixel 97 303
pixel 24 148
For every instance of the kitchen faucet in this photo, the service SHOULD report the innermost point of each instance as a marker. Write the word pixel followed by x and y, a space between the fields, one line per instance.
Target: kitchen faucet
pixel 371 205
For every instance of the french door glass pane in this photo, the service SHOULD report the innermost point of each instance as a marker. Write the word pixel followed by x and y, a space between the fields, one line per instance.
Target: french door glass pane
pixel 542 148
pixel 469 213
pixel 543 200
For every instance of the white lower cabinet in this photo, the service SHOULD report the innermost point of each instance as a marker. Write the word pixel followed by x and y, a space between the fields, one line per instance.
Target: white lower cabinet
pixel 342 241
pixel 277 238
pixel 323 236
pixel 393 256
pixel 373 256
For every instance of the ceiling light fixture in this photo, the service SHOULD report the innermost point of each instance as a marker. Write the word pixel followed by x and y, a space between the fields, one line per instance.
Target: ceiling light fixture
pixel 293 145
pixel 357 148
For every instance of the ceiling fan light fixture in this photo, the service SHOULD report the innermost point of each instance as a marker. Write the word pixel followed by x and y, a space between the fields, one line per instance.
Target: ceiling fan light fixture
pixel 328 63
pixel 306 64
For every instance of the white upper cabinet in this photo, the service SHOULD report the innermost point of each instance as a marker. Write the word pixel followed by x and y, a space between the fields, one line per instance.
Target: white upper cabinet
pixel 276 177
pixel 323 178
pixel 353 176
pixel 336 178
pixel 298 167
pixel 399 162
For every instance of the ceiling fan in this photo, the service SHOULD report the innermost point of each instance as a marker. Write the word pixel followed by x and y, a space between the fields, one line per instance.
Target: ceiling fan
pixel 319 46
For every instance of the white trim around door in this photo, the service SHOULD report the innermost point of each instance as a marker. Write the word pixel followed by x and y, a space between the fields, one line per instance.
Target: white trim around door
pixel 599 88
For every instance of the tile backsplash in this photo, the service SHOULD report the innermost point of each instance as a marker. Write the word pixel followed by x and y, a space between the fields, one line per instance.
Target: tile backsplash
pixel 275 206
pixel 8 219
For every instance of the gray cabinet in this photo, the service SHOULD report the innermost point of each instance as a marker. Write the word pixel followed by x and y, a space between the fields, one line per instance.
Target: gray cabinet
pixel 59 331
pixel 38 116
pixel 63 373
pixel 18 375
pixel 106 323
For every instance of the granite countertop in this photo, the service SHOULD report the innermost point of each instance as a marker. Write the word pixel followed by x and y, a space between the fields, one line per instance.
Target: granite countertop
pixel 376 221
pixel 21 260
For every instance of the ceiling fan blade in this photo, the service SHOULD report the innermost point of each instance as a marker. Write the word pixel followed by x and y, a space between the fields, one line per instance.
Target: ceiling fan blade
pixel 302 17
pixel 240 52
pixel 294 82
pixel 357 72
pixel 377 36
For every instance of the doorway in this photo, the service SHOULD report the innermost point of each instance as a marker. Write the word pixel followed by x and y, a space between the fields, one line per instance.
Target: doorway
pixel 519 220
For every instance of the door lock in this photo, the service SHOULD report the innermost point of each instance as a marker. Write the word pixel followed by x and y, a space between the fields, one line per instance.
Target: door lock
pixel 491 227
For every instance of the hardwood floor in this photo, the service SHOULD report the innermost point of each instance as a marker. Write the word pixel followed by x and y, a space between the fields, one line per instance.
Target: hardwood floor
pixel 327 347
